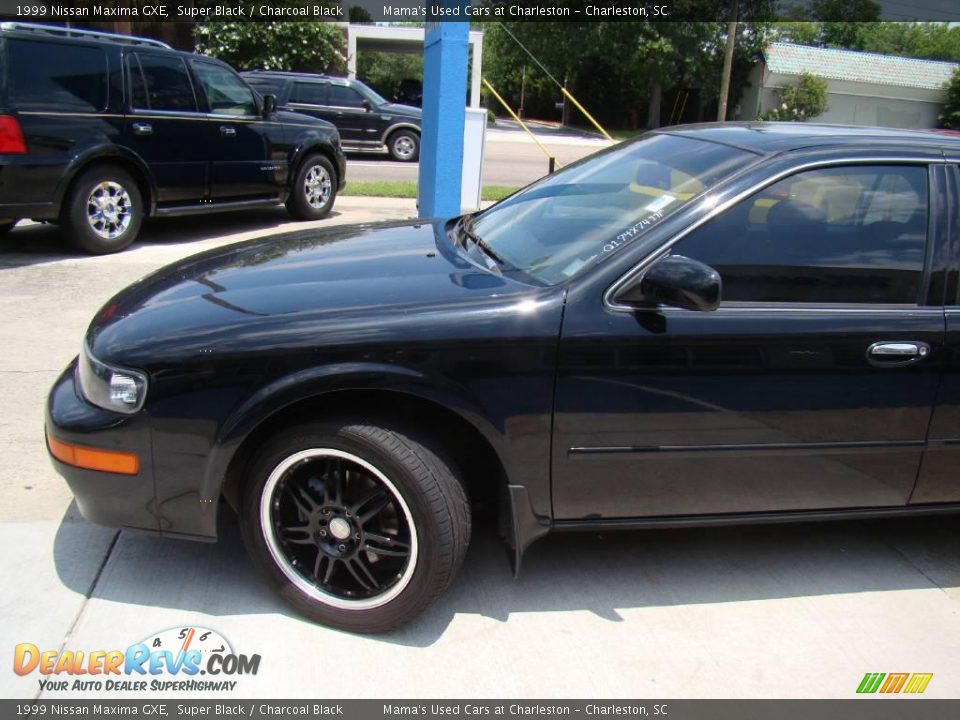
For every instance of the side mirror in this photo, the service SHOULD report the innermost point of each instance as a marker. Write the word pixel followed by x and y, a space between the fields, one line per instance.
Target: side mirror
pixel 367 105
pixel 676 281
pixel 269 105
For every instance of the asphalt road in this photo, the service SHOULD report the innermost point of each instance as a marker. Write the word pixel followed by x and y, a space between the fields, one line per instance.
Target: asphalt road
pixel 510 158
pixel 778 611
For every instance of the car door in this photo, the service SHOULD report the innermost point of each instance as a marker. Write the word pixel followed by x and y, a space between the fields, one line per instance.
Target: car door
pixel 811 387
pixel 249 153
pixel 165 127
pixel 939 481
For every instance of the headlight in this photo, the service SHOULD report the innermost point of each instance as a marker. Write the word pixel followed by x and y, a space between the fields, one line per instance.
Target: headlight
pixel 118 389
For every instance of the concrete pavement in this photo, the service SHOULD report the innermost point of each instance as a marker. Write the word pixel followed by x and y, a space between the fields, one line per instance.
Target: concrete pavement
pixel 778 611
pixel 511 158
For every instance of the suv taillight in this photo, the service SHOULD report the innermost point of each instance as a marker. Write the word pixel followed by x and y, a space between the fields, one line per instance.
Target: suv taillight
pixel 11 136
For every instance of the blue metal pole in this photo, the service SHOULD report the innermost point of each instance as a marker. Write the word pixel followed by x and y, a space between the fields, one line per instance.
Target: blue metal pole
pixel 444 93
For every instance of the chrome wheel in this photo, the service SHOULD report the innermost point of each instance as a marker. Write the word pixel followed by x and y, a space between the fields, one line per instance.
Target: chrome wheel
pixel 404 147
pixel 109 210
pixel 338 529
pixel 317 186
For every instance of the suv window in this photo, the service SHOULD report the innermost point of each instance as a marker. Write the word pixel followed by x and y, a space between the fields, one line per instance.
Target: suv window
pixel 226 93
pixel 310 93
pixel 159 82
pixel 266 86
pixel 57 76
pixel 342 96
pixel 852 234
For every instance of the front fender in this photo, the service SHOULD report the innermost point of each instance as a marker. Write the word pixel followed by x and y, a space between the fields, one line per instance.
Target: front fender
pixel 316 382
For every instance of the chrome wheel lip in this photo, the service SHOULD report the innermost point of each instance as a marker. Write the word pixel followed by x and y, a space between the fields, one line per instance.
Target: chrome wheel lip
pixel 404 147
pixel 286 567
pixel 317 186
pixel 109 210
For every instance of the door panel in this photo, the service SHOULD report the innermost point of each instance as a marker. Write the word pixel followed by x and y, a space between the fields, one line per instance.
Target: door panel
pixel 249 153
pixel 773 402
pixel 676 413
pixel 165 127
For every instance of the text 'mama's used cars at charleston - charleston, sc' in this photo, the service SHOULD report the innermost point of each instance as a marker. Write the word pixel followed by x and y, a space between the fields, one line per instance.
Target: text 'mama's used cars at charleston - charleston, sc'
pixel 710 324
pixel 366 120
pixel 99 131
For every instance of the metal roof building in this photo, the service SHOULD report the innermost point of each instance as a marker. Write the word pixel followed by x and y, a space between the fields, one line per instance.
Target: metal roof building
pixel 863 88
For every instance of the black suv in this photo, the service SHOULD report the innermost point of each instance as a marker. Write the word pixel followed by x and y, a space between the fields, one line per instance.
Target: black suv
pixel 98 131
pixel 366 121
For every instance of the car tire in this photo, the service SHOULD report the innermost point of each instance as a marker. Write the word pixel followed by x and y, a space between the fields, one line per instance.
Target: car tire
pixel 103 211
pixel 358 526
pixel 6 226
pixel 314 189
pixel 404 145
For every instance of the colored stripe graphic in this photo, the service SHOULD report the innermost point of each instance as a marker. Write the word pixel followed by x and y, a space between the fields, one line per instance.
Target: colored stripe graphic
pixel 870 682
pixel 918 682
pixel 894 682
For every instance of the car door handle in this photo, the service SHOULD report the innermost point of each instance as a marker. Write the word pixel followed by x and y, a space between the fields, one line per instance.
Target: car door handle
pixel 897 353
pixel 141 128
pixel 228 131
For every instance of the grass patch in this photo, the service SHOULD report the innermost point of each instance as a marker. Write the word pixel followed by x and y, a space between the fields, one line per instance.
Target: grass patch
pixel 406 189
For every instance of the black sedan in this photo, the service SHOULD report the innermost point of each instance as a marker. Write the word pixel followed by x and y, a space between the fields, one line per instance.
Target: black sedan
pixel 565 357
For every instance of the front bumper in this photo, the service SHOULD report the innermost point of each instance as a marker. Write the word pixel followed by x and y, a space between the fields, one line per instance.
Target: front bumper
pixel 125 501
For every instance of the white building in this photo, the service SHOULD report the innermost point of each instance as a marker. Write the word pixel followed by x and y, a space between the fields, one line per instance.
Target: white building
pixel 863 88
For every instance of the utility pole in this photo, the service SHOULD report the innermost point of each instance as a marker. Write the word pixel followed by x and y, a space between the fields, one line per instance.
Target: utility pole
pixel 728 63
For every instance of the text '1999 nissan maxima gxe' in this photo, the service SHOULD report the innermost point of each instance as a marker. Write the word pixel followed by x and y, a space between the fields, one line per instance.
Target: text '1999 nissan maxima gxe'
pixel 565 356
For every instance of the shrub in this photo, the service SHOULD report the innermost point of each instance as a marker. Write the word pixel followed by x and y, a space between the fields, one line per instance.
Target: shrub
pixel 950 118
pixel 803 101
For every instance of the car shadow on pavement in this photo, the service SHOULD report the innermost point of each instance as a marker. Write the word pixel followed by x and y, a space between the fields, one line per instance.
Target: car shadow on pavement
pixel 42 242
pixel 601 573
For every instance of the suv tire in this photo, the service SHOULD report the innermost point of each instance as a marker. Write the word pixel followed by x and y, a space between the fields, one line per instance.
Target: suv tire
pixel 404 145
pixel 358 526
pixel 314 189
pixel 103 211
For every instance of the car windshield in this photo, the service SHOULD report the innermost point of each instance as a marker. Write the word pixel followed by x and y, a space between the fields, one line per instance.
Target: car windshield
pixel 556 227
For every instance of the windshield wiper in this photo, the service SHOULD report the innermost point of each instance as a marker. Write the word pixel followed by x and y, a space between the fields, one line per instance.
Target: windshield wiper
pixel 466 222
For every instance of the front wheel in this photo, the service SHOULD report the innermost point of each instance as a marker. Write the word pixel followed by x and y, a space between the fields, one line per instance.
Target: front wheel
pixel 404 145
pixel 359 527
pixel 314 189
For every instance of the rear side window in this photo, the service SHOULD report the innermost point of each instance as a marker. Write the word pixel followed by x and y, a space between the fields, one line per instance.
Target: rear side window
pixel 159 82
pixel 57 76
pixel 854 234
pixel 343 96
pixel 265 86
pixel 310 93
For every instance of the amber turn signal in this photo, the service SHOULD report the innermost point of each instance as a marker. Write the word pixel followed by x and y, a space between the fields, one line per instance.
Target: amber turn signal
pixel 89 458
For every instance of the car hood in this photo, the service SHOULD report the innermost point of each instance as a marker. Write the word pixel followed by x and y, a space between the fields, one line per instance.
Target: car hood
pixel 330 287
pixel 408 110
pixel 299 118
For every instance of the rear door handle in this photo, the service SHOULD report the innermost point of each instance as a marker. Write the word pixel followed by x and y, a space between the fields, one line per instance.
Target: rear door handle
pixel 228 131
pixel 897 353
pixel 142 128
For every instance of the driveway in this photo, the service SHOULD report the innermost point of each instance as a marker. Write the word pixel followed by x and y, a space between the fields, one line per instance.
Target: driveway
pixel 777 611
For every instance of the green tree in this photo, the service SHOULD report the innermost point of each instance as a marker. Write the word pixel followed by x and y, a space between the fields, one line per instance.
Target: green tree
pixel 384 70
pixel 950 118
pixel 300 46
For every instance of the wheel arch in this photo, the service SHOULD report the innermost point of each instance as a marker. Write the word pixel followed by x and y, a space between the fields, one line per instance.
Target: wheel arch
pixel 112 155
pixel 458 425
pixel 385 138
pixel 315 146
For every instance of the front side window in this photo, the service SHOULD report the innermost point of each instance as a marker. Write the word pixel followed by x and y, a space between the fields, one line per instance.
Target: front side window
pixel 226 93
pixel 854 234
pixel 342 96
pixel 57 76
pixel 160 82
pixel 556 227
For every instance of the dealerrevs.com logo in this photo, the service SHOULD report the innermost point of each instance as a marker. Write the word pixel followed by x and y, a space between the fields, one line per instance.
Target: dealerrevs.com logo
pixel 171 660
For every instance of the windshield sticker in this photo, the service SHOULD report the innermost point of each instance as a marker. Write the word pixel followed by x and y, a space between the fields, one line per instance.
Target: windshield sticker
pixel 631 232
pixel 660 203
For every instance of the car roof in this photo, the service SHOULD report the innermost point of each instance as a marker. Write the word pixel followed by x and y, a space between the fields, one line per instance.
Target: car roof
pixel 290 75
pixel 772 137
